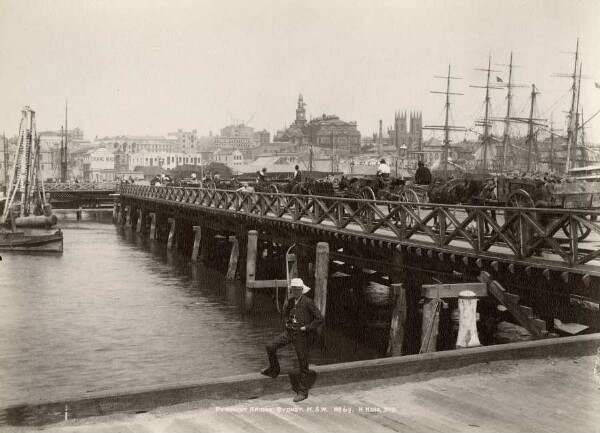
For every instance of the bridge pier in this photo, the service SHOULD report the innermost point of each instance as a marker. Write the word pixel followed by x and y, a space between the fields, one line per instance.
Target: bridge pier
pixel 397 325
pixel 152 225
pixel 250 268
pixel 233 258
pixel 321 275
pixel 430 325
pixel 115 211
pixel 119 214
pixel 197 240
pixel 171 222
pixel 128 219
pixel 140 220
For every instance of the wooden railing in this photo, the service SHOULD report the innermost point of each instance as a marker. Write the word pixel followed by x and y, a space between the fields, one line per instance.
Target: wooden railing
pixel 81 186
pixel 522 232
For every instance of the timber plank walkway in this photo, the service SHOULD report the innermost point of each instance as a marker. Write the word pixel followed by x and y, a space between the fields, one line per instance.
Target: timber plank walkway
pixel 539 395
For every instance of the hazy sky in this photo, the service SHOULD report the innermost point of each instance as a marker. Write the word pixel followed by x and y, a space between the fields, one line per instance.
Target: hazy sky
pixel 150 67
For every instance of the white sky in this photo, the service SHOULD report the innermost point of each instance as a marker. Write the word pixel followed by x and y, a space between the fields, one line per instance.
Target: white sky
pixel 152 66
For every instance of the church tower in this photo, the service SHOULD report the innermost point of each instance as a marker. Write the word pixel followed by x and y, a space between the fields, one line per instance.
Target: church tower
pixel 300 112
pixel 416 130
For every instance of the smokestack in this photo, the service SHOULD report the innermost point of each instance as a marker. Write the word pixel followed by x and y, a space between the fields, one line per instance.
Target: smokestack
pixel 380 136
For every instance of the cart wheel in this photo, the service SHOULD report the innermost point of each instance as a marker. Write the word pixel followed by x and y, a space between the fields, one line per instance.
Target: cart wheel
pixel 273 188
pixel 582 231
pixel 519 198
pixel 366 193
pixel 407 196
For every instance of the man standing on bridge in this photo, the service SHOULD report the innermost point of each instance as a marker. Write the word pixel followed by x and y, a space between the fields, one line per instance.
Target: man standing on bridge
pixel 302 317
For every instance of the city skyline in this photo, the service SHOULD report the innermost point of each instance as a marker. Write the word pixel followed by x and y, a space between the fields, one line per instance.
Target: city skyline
pixel 140 68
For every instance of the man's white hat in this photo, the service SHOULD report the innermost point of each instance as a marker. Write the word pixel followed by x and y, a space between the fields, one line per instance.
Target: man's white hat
pixel 297 282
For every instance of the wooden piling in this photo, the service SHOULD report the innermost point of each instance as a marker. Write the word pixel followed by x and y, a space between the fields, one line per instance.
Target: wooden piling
pixel 250 268
pixel 115 212
pixel 197 240
pixel 119 214
pixel 467 322
pixel 79 213
pixel 140 221
pixel 128 219
pixel 152 225
pixel 233 258
pixel 171 233
pixel 398 321
pixel 430 325
pixel 321 274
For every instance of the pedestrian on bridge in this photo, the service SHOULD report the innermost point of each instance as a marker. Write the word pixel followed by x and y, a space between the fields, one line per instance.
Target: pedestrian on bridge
pixel 302 318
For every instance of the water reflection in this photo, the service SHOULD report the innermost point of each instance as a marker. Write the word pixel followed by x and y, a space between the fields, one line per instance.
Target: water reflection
pixel 118 310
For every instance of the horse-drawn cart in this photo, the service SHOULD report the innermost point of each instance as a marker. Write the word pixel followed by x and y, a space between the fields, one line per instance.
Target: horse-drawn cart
pixel 551 193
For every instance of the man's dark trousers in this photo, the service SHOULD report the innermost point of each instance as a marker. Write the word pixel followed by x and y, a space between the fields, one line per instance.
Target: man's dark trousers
pixel 301 343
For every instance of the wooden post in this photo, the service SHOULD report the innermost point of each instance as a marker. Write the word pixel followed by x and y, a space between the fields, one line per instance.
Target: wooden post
pixel 171 233
pixel 140 221
pixel 152 225
pixel 250 267
pixel 430 325
pixel 197 240
pixel 115 211
pixel 467 322
pixel 79 213
pixel 321 274
pixel 128 220
pixel 119 214
pixel 398 321
pixel 233 258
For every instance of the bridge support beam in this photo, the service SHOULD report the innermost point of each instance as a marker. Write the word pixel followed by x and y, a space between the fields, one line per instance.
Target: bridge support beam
pixel 467 322
pixel 250 268
pixel 398 321
pixel 197 240
pixel 321 275
pixel 233 259
pixel 152 225
pixel 171 233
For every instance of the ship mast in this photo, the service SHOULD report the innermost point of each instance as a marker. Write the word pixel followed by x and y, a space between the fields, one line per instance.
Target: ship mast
pixel 577 117
pixel 5 164
pixel 446 128
pixel 531 135
pixel 63 153
pixel 486 121
pixel 570 129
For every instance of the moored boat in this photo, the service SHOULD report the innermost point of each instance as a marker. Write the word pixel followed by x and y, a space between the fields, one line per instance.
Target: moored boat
pixel 19 241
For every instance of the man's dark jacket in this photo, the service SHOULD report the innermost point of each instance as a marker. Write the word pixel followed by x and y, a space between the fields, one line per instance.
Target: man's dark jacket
pixel 305 311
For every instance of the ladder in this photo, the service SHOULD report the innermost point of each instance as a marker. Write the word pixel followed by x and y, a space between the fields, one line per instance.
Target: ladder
pixel 24 174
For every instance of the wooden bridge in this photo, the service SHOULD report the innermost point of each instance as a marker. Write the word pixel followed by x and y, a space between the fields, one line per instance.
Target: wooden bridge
pixel 84 194
pixel 537 256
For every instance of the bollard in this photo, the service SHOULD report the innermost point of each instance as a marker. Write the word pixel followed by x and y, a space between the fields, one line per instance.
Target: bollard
pixel 233 258
pixel 171 233
pixel 321 274
pixel 152 225
pixel 197 239
pixel 467 322
pixel 250 267
pixel 398 323
pixel 140 221
pixel 79 212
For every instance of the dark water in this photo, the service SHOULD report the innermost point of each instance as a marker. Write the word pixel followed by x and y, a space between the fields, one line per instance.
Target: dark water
pixel 115 311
